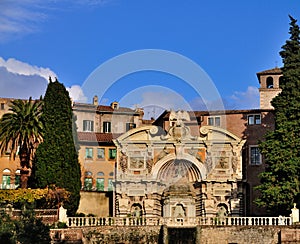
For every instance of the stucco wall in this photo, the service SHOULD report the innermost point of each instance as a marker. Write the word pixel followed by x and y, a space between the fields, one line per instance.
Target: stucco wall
pixel 96 203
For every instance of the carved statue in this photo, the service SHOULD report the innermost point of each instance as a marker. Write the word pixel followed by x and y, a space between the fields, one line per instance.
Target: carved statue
pixel 222 214
pixel 234 163
pixel 179 211
pixel 163 153
pixel 123 161
pixel 208 162
pixel 149 164
pixel 179 130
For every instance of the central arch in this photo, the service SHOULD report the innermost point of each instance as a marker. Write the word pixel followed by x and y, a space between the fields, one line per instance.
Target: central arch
pixel 179 168
pixel 171 168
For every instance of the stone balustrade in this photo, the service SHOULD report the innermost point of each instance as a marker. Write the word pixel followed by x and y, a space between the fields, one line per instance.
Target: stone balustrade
pixel 174 222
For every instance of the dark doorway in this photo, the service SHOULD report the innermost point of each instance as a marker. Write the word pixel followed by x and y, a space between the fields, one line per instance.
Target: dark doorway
pixel 182 235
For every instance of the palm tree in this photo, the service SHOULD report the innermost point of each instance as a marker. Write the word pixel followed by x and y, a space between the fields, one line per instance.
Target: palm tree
pixel 21 132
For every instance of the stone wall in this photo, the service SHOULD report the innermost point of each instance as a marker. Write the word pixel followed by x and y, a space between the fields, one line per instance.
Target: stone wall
pixel 238 234
pixel 124 235
pixel 200 234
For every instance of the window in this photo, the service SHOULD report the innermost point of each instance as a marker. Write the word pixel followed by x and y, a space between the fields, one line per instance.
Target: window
pixel 88 184
pixel 254 119
pixel 112 153
pixel 88 125
pixel 214 121
pixel 17 178
pixel 111 174
pixel 110 185
pixel 2 106
pixel 100 181
pixel 106 127
pixel 270 82
pixel 6 179
pixel 130 126
pixel 100 184
pixel 6 182
pixel 255 156
pixel 89 152
pixel 100 153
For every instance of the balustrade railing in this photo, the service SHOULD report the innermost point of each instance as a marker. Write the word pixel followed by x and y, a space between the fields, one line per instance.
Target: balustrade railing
pixel 191 221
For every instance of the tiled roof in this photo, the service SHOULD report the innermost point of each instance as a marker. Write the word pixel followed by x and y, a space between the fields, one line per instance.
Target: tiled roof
pixel 275 70
pixel 97 137
pixel 148 121
pixel 110 109
pixel 194 114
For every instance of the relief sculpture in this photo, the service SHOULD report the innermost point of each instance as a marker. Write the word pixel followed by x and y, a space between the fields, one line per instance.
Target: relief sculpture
pixel 123 161
pixel 137 163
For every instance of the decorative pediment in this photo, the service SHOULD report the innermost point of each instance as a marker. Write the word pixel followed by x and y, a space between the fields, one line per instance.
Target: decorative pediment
pixel 212 133
pixel 178 131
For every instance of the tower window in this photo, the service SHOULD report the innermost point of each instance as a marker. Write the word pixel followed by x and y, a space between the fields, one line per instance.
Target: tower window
pixel 270 82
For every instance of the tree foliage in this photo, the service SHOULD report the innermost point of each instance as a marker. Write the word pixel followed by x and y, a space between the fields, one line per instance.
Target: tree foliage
pixel 26 229
pixel 57 157
pixel 21 132
pixel 51 196
pixel 280 182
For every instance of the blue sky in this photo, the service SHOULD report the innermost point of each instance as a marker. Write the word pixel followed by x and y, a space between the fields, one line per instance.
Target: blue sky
pixel 230 40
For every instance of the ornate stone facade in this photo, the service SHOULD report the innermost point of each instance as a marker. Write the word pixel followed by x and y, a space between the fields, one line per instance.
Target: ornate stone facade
pixel 177 174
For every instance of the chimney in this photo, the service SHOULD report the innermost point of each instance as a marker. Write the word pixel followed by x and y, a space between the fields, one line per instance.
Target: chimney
pixel 95 100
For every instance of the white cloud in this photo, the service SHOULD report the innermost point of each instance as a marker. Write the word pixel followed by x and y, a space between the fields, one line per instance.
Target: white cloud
pixel 246 100
pixel 22 80
pixel 76 94
pixel 17 67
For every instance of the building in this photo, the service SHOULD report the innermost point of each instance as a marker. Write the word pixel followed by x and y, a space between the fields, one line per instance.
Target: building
pixel 190 164
pixel 196 163
pixel 10 167
pixel 97 125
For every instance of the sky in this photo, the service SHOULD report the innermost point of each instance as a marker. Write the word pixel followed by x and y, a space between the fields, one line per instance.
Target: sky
pixel 158 55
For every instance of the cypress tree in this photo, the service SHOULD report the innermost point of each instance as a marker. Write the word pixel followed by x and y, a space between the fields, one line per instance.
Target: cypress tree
pixel 57 157
pixel 280 182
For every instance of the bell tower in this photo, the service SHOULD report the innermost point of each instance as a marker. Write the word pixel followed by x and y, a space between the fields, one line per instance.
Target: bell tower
pixel 269 81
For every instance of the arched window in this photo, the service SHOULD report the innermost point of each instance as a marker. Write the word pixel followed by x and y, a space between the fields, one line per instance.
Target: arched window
pixel 111 174
pixel 6 179
pixel 280 80
pixel 100 181
pixel 88 181
pixel 270 82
